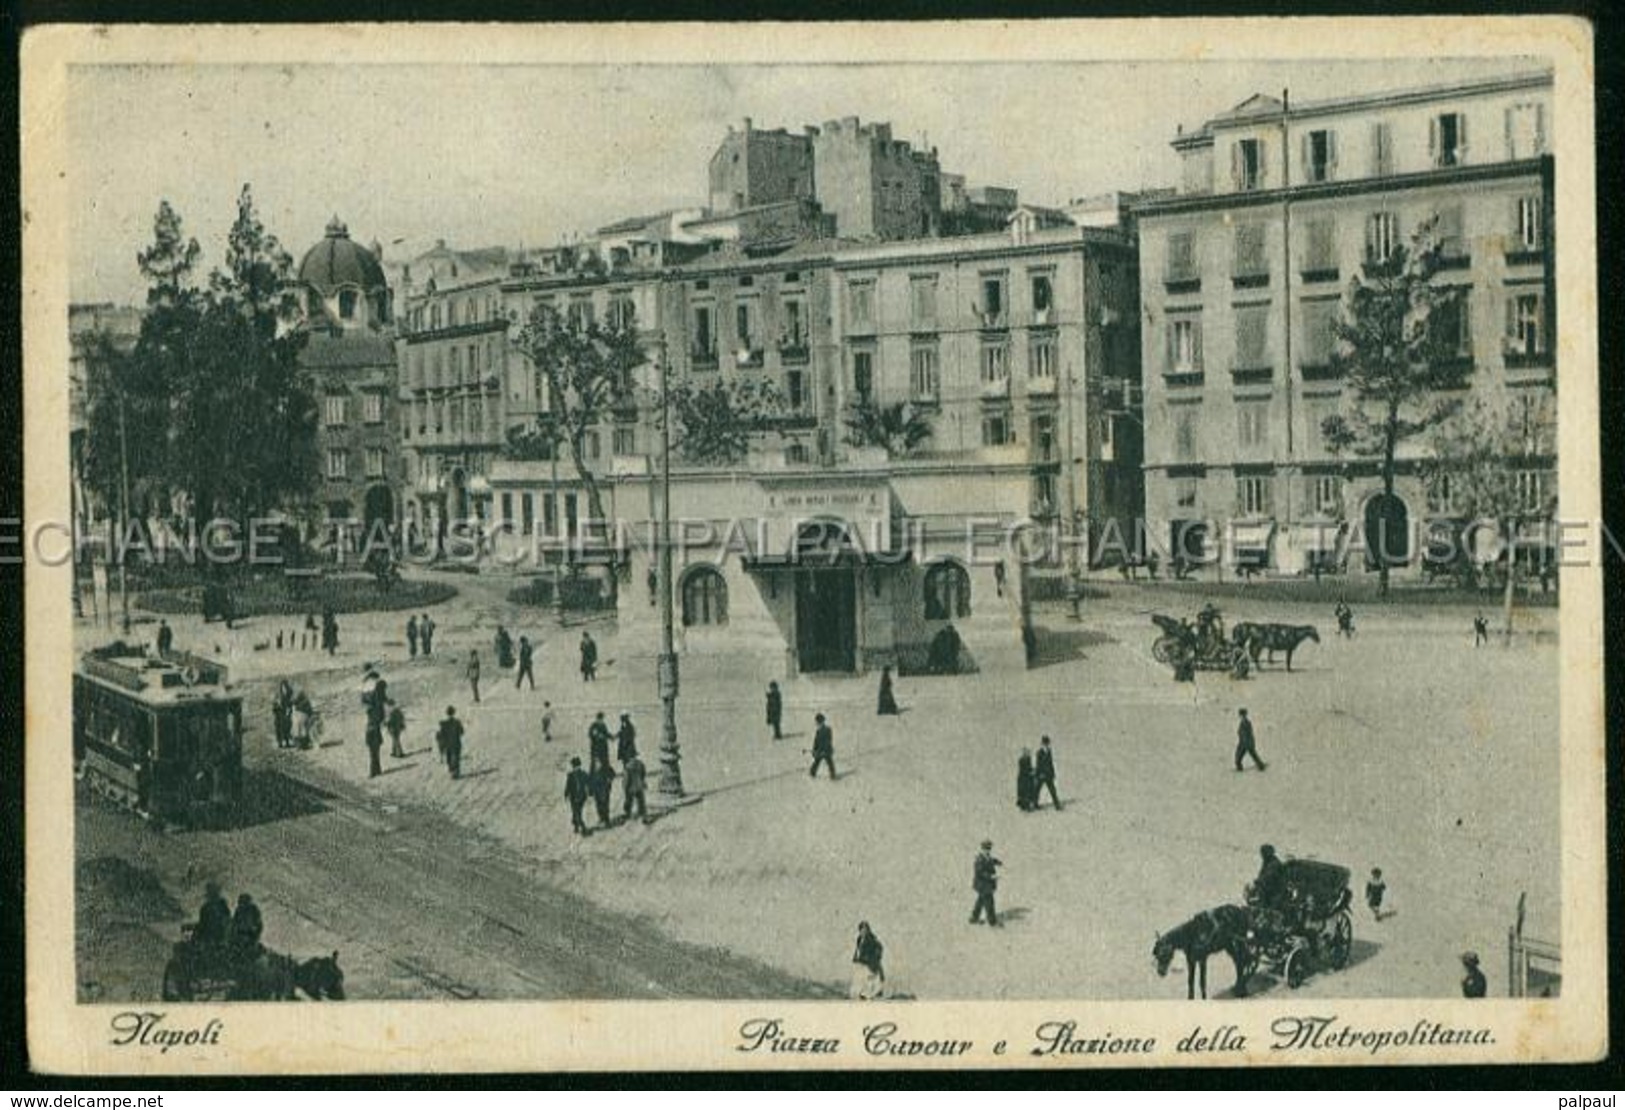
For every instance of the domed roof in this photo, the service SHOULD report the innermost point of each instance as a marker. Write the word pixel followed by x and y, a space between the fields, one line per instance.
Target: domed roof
pixel 337 261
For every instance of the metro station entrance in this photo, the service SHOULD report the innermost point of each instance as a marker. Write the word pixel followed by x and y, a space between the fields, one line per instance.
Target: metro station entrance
pixel 826 620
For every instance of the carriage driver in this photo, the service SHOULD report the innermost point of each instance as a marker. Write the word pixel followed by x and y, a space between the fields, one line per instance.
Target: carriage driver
pixel 1207 623
pixel 214 918
pixel 1269 894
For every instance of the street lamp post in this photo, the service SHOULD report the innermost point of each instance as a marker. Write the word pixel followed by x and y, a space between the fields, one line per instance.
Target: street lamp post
pixel 124 538
pixel 553 525
pixel 671 774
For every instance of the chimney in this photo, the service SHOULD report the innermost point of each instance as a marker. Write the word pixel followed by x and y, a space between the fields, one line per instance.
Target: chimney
pixel 746 127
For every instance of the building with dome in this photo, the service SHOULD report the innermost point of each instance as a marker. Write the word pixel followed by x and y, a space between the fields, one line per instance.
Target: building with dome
pixel 351 358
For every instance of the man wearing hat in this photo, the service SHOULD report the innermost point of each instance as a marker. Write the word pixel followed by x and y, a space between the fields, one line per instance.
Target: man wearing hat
pixel 1473 984
pixel 213 918
pixel 985 880
pixel 823 748
pixel 1246 742
pixel 576 789
pixel 626 740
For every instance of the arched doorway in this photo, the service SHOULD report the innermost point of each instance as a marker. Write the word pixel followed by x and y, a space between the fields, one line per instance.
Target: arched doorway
pixel 1387 531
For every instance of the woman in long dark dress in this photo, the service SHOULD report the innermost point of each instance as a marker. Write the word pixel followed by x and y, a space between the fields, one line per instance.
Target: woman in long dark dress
pixel 888 700
pixel 1026 782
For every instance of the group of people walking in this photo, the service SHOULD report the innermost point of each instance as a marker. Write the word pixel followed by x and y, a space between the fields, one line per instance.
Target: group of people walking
pixel 1034 776
pixel 596 783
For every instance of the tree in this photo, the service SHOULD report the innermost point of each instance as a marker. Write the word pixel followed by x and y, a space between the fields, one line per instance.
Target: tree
pixel 1398 342
pixel 586 369
pixel 898 428
pixel 713 424
pixel 1480 455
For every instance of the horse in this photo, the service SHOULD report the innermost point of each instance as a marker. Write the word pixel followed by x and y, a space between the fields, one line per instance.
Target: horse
pixel 1221 929
pixel 273 977
pixel 321 979
pixel 1271 638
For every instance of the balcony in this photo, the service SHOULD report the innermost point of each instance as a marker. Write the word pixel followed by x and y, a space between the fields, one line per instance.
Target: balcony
pixel 1183 378
pixel 1044 318
pixel 749 358
pixel 1522 255
pixel 996 387
pixel 1258 279
pixel 992 321
pixel 794 349
pixel 1252 375
pixel 702 359
pixel 1316 275
pixel 1455 260
pixel 1320 371
pixel 1041 384
pixel 1177 284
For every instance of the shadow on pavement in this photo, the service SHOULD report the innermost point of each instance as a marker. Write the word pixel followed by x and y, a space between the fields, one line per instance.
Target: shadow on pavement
pixel 270 796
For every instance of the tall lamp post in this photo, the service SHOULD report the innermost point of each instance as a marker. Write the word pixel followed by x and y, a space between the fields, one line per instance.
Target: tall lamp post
pixel 671 774
pixel 124 539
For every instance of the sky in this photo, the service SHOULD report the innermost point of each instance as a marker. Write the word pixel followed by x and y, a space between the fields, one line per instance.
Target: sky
pixel 513 155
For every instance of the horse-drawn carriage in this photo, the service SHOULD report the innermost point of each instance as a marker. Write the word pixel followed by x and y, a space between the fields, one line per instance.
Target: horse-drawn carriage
pixel 1304 927
pixel 199 971
pixel 1201 646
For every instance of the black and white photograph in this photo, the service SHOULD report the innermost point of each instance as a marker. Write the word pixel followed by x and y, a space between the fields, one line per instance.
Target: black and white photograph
pixel 992 544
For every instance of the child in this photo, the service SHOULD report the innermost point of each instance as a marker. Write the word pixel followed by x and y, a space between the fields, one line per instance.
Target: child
pixel 547 722
pixel 1374 891
pixel 396 724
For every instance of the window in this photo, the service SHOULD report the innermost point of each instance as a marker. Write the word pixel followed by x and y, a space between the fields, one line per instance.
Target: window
pixel 372 408
pixel 1185 493
pixel 863 306
pixel 626 441
pixel 1320 155
pixel 1252 424
pixel 338 464
pixel 1451 322
pixel 705 597
pixel 1320 248
pixel 1525 325
pixel 947 592
pixel 1532 490
pixel 1185 344
pixel 1181 261
pixel 797 454
pixel 992 308
pixel 550 512
pixel 591 444
pixel 997 430
pixel 1443 495
pixel 1449 232
pixel 375 462
pixel 1041 358
pixel 1247 164
pixel 1382 149
pixel 1447 139
pixel 1526 130
pixel 744 326
pixel 348 299
pixel 581 314
pixel 1326 494
pixel 863 373
pixel 922 373
pixel 456 366
pixel 1527 224
pixel 527 510
pixel 1184 421
pixel 1381 237
pixel 922 303
pixel 333 410
pixel 795 382
pixel 1043 298
pixel 704 340
pixel 1319 332
pixel 572 514
pixel 507 507
pixel 1043 437
pixel 995 363
pixel 1250 261
pixel 795 324
pixel 1253 495
pixel 622 313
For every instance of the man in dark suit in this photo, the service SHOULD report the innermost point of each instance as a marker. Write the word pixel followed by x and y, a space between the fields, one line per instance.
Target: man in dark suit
pixel 526 653
pixel 213 918
pixel 576 791
pixel 166 638
pixel 823 748
pixel 602 780
pixel 377 700
pixel 1045 773
pixel 589 657
pixel 451 742
pixel 1246 742
pixel 775 710
pixel 626 740
pixel 597 743
pixel 985 880
pixel 635 786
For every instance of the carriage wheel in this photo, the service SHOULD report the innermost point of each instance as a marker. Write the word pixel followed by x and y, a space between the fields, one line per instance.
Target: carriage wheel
pixel 1297 966
pixel 1163 650
pixel 1341 942
pixel 177 986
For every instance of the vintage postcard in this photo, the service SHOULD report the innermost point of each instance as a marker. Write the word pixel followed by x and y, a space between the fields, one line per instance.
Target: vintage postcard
pixel 770 546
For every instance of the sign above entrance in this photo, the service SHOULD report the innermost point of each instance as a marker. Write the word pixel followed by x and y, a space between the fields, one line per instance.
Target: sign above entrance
pixel 863 505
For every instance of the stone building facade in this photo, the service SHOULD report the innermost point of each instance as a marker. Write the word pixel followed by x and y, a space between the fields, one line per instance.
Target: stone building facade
pixel 1244 270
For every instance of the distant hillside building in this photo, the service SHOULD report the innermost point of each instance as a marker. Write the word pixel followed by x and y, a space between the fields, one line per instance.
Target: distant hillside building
pixel 752 167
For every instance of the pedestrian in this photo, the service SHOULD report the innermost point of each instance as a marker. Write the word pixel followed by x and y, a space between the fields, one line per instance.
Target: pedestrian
pixel 775 709
pixel 1345 619
pixel 1029 643
pixel 589 657
pixel 213 917
pixel 823 748
pixel 304 712
pixel 985 881
pixel 868 976
pixel 654 586
pixel 526 654
pixel 375 699
pixel 330 631
pixel 1375 888
pixel 450 738
pixel 602 779
pixel 635 787
pixel 396 724
pixel 576 791
pixel 547 722
pixel 626 740
pixel 426 634
pixel 1026 782
pixel 1473 984
pixel 887 706
pixel 309 638
pixel 1246 742
pixel 1044 773
pixel 1481 630
pixel 166 638
pixel 598 742
pixel 282 714
pixel 412 636
pixel 247 926
pixel 503 646
pixel 472 671
pixel 998 577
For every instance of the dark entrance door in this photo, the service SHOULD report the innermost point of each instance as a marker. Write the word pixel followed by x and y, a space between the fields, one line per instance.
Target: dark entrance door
pixel 1387 532
pixel 826 620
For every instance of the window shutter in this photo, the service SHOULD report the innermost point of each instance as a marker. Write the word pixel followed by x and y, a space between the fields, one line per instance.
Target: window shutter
pixel 1306 160
pixel 1508 119
pixel 1196 343
pixel 1235 166
pixel 1170 353
pixel 1461 137
pixel 1331 154
pixel 1512 320
pixel 1263 163
pixel 1433 140
pixel 1540 129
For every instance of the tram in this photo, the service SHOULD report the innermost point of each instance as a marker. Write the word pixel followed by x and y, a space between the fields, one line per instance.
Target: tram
pixel 159 734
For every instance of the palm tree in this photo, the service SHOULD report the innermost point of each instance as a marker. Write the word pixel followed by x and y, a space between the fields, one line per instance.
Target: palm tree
pixel 898 428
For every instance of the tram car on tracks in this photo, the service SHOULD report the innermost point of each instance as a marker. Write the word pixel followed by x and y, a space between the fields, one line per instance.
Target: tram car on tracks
pixel 159 734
